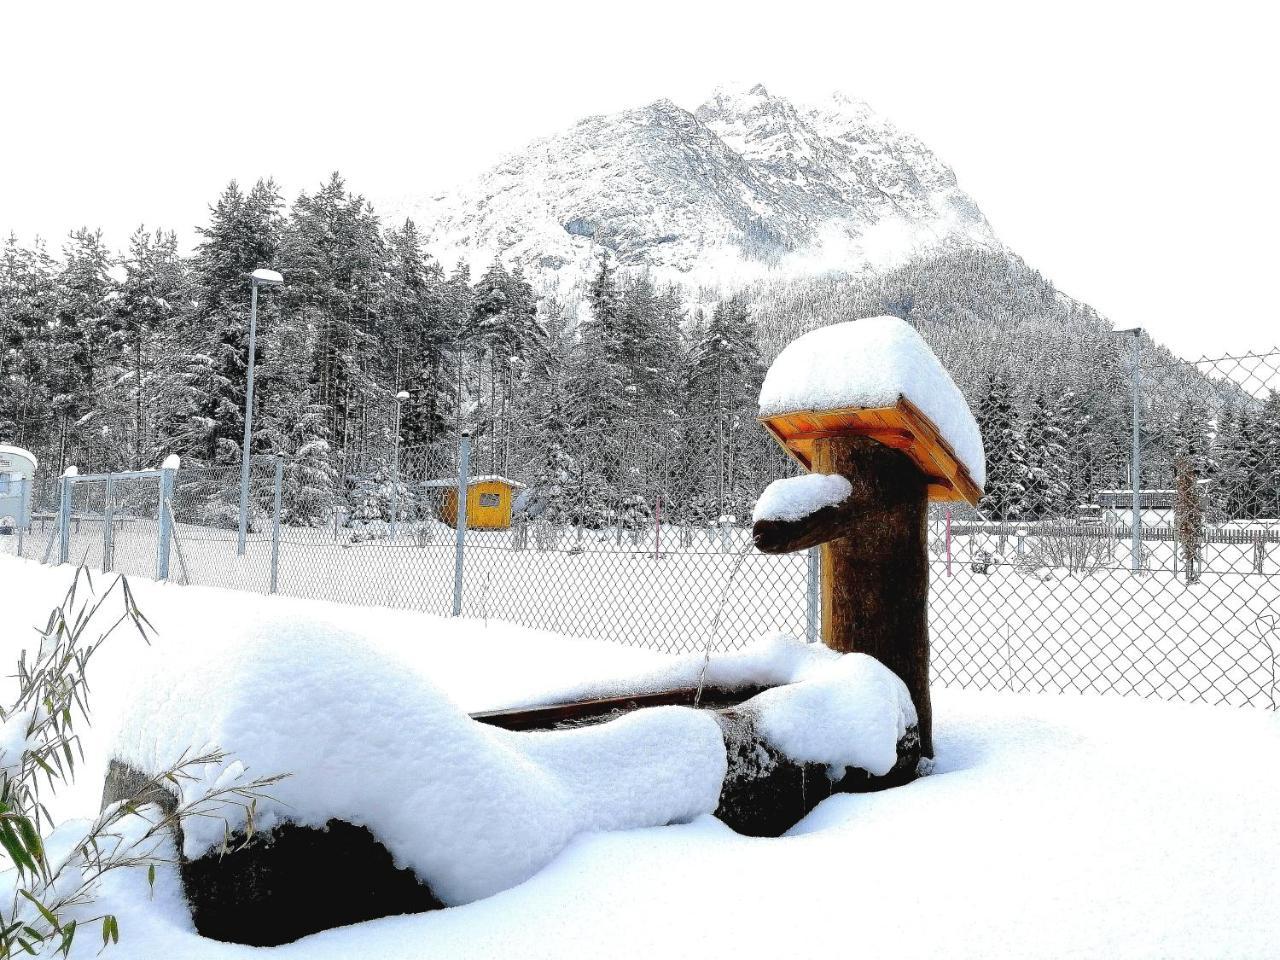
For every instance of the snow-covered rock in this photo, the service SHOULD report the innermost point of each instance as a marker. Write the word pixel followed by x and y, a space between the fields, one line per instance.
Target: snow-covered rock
pixel 871 363
pixel 794 497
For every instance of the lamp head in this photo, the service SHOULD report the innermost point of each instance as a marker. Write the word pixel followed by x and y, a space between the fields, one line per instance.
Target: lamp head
pixel 266 278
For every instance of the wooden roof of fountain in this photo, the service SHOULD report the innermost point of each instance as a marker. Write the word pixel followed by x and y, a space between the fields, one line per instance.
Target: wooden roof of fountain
pixel 902 426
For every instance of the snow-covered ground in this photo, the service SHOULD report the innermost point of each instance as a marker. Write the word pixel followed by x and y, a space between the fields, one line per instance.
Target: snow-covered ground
pixel 1053 826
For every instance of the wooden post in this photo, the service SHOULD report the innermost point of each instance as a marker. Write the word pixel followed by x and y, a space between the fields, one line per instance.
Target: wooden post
pixel 875 564
pixel 876 579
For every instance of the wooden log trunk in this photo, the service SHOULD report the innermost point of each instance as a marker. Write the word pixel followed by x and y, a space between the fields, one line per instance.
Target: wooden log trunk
pixel 875 578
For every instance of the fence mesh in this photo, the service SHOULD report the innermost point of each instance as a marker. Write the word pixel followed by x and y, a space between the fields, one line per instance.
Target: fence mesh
pixel 1176 600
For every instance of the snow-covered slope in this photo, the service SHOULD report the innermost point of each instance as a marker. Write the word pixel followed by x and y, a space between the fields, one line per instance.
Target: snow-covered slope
pixel 747 185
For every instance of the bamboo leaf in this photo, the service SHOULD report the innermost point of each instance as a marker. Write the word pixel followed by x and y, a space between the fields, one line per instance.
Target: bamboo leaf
pixel 30 838
pixel 44 911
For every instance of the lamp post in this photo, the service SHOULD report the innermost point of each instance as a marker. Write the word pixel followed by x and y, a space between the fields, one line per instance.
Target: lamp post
pixel 259 278
pixel 1135 455
pixel 401 397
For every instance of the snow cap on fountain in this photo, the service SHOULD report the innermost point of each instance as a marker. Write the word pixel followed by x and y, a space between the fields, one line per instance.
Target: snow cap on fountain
pixel 872 364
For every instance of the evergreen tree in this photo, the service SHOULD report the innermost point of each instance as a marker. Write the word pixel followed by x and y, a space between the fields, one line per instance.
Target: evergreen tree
pixel 724 373
pixel 1006 452
pixel 337 268
pixel 83 302
pixel 147 323
pixel 243 235
pixel 1231 493
pixel 597 383
pixel 1048 485
pixel 27 298
pixel 422 332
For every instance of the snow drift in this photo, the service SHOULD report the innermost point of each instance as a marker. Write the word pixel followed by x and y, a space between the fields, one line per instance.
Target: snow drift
pixel 470 809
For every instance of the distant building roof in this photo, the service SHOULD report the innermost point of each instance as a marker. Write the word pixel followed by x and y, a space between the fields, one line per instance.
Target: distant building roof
pixel 19 452
pixel 447 482
pixel 1146 498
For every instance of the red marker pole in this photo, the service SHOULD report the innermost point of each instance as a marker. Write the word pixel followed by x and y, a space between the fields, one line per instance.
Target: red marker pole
pixel 657 528
pixel 948 541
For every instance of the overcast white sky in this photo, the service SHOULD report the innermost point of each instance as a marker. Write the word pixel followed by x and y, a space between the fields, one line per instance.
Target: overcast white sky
pixel 1128 152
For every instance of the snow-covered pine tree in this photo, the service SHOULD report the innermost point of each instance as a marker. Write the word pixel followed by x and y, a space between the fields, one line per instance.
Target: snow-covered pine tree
pixel 1080 449
pixel 1006 451
pixel 1231 489
pixel 1047 493
pixel 148 324
pixel 724 372
pixel 423 329
pixel 1264 460
pixel 504 334
pixel 242 235
pixel 597 384
pixel 27 299
pixel 337 267
pixel 83 302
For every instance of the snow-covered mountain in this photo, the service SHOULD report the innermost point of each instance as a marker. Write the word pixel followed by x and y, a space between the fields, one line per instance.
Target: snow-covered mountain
pixel 746 186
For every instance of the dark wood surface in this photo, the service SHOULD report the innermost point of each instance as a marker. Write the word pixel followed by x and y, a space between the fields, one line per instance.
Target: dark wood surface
pixel 875 569
pixel 579 712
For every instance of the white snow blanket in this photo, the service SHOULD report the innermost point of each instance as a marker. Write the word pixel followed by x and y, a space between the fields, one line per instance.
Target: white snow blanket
pixel 470 808
pixel 792 498
pixel 349 704
pixel 871 363
pixel 811 721
pixel 1140 858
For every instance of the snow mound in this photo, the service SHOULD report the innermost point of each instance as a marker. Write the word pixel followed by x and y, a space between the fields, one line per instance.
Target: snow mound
pixel 871 363
pixel 773 660
pixel 852 713
pixel 471 809
pixel 792 498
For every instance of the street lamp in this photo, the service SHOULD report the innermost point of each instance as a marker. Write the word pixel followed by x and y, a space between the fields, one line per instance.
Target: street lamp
pixel 1135 468
pixel 259 278
pixel 401 397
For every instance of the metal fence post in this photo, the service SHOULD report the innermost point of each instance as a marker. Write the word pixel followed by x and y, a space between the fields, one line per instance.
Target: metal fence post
pixel 812 594
pixel 64 521
pixel 1135 481
pixel 24 513
pixel 108 524
pixel 165 526
pixel 460 538
pixel 275 528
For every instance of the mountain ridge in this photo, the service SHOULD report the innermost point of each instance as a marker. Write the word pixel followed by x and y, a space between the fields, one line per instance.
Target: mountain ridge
pixel 746 186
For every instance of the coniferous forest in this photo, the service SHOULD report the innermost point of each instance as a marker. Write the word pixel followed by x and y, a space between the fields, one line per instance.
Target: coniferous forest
pixel 629 392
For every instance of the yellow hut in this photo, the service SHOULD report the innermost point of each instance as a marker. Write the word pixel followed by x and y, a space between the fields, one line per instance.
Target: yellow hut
pixel 489 501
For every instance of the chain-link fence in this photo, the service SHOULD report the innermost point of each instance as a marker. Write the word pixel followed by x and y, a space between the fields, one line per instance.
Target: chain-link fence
pixel 1077 583
pixel 1162 577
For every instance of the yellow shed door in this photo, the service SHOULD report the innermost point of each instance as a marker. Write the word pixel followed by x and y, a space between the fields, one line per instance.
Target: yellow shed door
pixel 489 506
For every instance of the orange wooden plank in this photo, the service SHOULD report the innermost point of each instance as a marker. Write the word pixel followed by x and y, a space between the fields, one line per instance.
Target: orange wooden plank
pixel 902 426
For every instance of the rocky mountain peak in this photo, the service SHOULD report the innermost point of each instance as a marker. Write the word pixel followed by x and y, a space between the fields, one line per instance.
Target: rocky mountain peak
pixel 748 184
